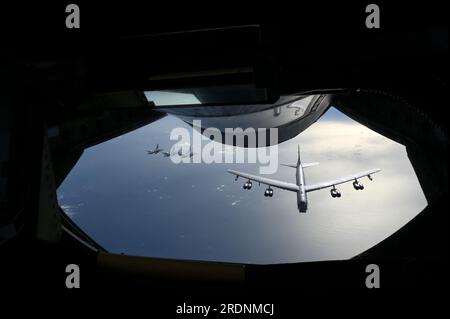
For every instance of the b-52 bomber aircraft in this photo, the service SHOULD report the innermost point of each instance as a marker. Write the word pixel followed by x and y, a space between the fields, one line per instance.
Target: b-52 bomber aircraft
pixel 301 188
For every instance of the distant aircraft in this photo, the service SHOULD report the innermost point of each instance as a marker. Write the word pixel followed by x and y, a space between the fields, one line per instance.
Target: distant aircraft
pixel 188 154
pixel 156 150
pixel 300 187
pixel 167 154
pixel 180 153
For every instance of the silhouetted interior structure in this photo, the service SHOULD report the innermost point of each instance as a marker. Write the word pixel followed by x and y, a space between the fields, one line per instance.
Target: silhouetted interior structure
pixel 57 101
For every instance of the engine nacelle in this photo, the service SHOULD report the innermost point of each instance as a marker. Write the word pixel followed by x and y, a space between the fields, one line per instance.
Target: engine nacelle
pixel 268 192
pixel 335 193
pixel 247 185
pixel 357 185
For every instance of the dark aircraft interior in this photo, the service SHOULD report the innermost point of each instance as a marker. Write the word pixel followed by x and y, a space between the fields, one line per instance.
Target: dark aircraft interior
pixel 66 90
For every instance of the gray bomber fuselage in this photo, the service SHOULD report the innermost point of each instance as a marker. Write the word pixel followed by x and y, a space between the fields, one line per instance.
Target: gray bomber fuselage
pixel 302 200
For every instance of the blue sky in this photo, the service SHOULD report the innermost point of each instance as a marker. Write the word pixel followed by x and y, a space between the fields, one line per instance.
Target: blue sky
pixel 146 205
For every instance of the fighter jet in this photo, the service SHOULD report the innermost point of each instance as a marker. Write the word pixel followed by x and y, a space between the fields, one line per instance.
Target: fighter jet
pixel 167 154
pixel 156 150
pixel 300 187
pixel 188 154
